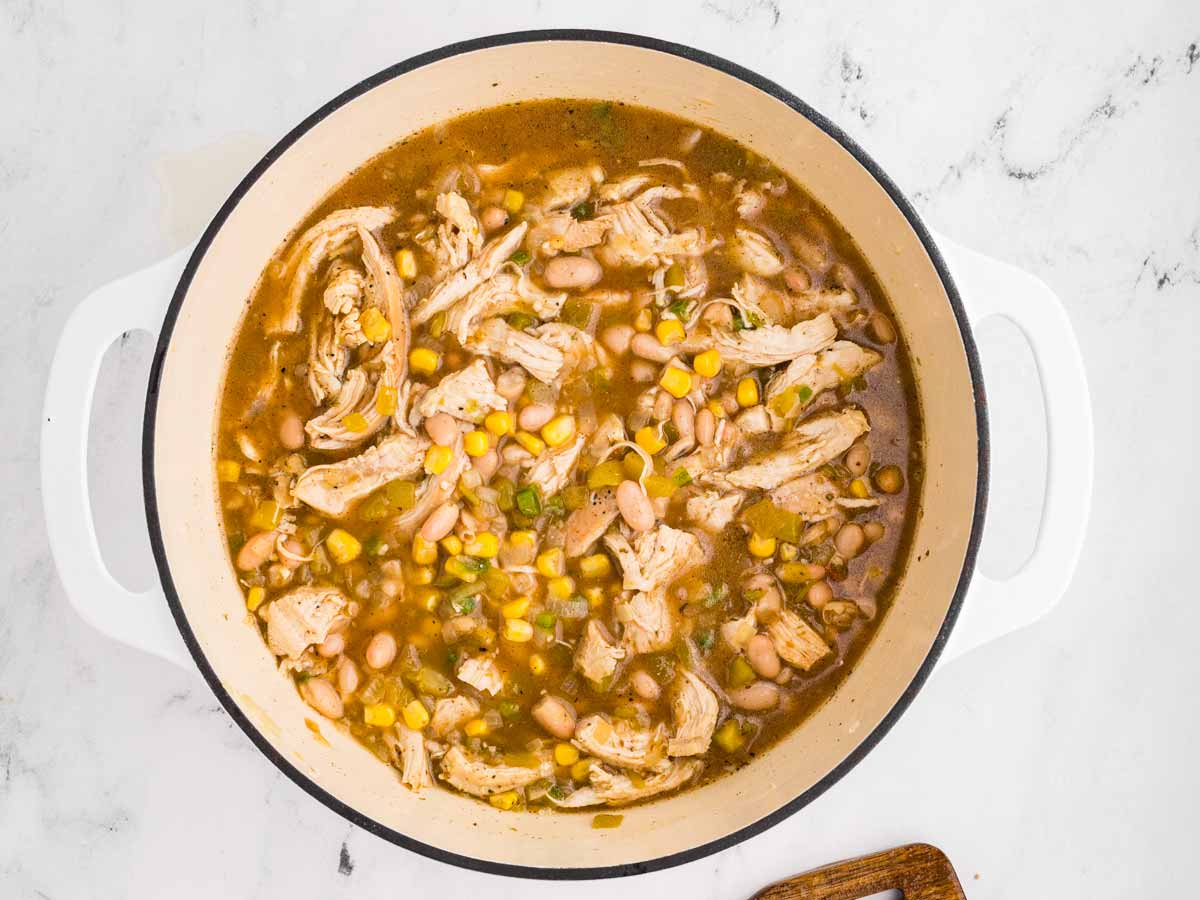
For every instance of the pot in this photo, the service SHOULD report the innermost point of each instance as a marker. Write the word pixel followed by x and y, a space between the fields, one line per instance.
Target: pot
pixel 212 281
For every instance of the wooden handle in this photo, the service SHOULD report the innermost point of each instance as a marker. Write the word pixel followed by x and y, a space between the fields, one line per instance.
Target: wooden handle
pixel 918 871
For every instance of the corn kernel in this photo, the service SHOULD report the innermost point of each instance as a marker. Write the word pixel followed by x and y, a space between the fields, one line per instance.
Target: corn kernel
pixel 504 800
pixel 708 363
pixel 381 715
pixel 421 575
pixel 477 728
pixel 522 538
pixel 254 597
pixel 859 489
pixel 649 440
pixel 266 516
pixel 761 547
pixel 747 392
pixel 582 770
pixel 485 546
pixel 594 596
pixel 498 422
pixel 427 598
pixel 517 630
pixel 437 458
pixel 406 263
pixel 643 320
pixel 558 430
pixel 717 408
pixel 343 546
pixel 424 361
pixel 513 200
pixel 375 327
pixel 476 443
pixel 531 442
pixel 552 563
pixel 561 588
pixel 386 400
pixel 596 566
pixel 452 544
pixel 669 331
pixel 416 716
pixel 229 470
pixel 537 664
pixel 565 754
pixel 515 609
pixel 424 552
pixel 676 382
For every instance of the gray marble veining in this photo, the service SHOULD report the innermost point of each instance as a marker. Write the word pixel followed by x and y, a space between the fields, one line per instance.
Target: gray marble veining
pixel 1061 137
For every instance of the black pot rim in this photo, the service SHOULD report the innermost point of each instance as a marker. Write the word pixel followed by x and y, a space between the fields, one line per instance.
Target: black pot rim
pixel 406 841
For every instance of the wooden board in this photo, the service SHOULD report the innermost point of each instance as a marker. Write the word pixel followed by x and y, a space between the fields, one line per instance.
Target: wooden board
pixel 918 871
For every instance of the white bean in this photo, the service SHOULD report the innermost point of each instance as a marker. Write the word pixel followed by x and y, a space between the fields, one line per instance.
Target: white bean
pixel 662 406
pixel 535 415
pixel 818 594
pixel 440 522
pixel 347 676
pixel 683 417
pixel 256 551
pixel 756 697
pixel 858 458
pixel 441 428
pixel 332 646
pixel 648 347
pixel 634 506
pixel 850 540
pixel 515 454
pixel 706 427
pixel 381 650
pixel 487 465
pixel 641 371
pixel 760 652
pixel 510 384
pixel 291 431
pixel 556 715
pixel 617 337
pixel 323 697
pixel 572 272
pixel 493 217
pixel 644 685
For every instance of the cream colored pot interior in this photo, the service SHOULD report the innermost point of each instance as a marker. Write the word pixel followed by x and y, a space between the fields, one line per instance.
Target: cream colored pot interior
pixel 192 377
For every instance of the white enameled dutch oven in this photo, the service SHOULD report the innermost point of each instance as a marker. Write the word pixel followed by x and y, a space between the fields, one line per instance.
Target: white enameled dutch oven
pixel 195 302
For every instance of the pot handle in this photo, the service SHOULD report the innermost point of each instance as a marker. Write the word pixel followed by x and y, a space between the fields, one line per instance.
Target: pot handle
pixel 137 302
pixel 995 607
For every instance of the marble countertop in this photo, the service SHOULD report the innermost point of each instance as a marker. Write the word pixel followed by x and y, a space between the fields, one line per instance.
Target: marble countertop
pixel 1055 762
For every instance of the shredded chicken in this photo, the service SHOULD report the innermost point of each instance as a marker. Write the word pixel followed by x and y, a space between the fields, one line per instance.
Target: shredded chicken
pixel 468 394
pixel 658 557
pixel 434 491
pixel 577 347
pixel 795 641
pixel 638 236
pixel 695 708
pixel 597 654
pixel 459 237
pixel 840 362
pixel 620 742
pixel 302 617
pixel 814 497
pixel 504 293
pixel 618 788
pixel 415 773
pixel 646 617
pixel 810 445
pixel 496 338
pixel 568 187
pixel 587 524
pixel 774 344
pixel 481 673
pixel 553 468
pixel 451 712
pixel 713 510
pixel 460 283
pixel 754 253
pixel 472 775
pixel 335 487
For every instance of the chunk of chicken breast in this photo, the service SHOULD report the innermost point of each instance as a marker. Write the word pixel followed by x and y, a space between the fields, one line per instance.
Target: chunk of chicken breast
pixel 810 445
pixel 497 339
pixel 302 617
pixel 481 673
pixel 647 619
pixel 842 361
pixel 587 524
pixel 553 468
pixel 415 773
pixel 774 344
pixel 795 641
pixel 597 655
pixel 333 488
pixel 814 497
pixel 472 775
pixel 694 708
pixel 713 510
pixel 620 742
pixel 468 394
pixel 451 712
pixel 617 788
